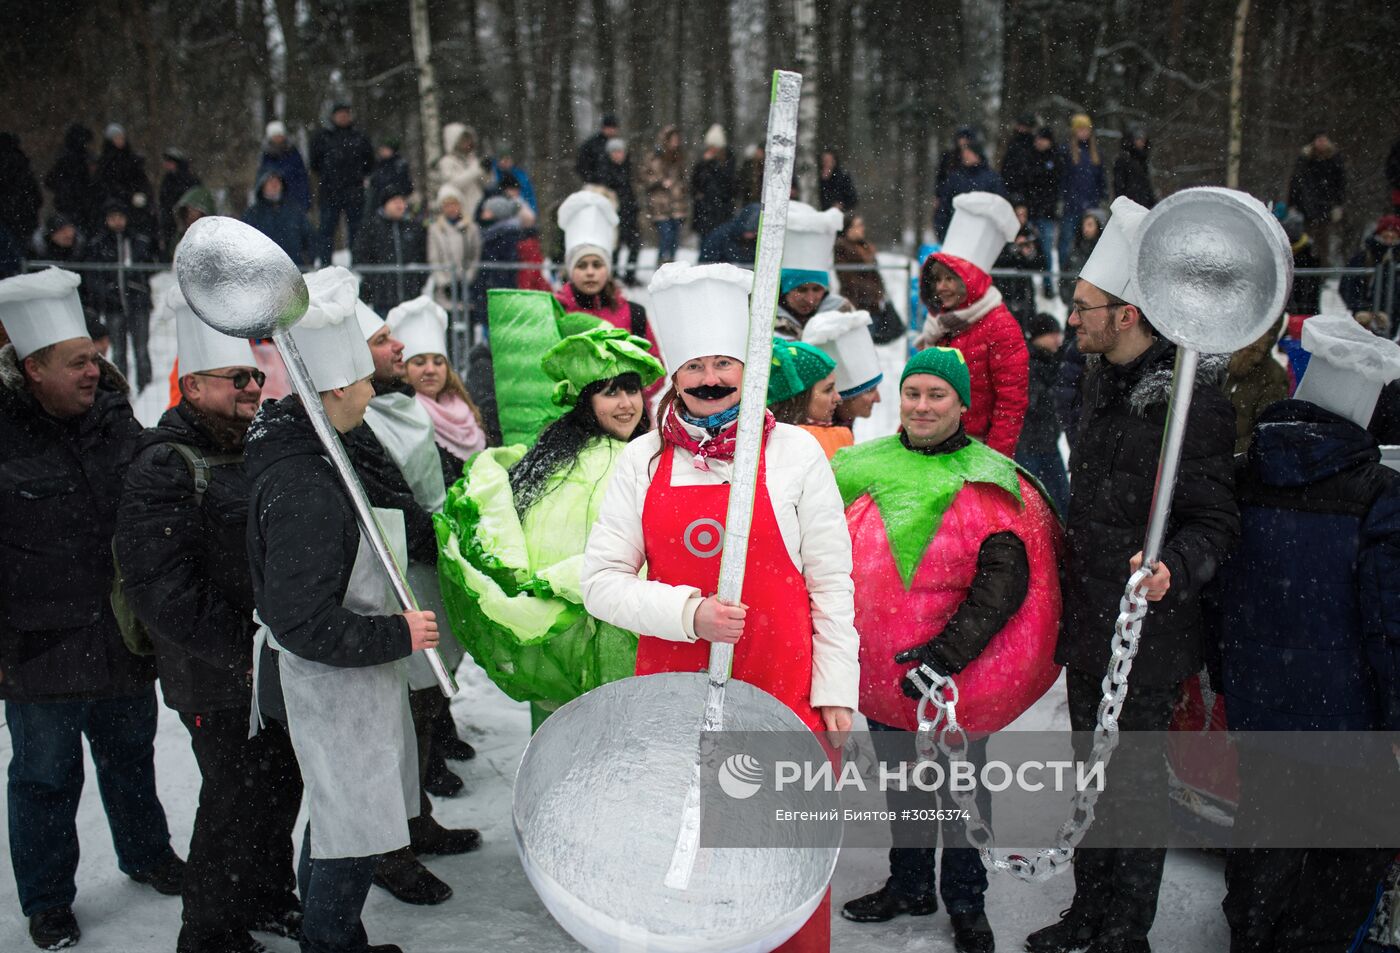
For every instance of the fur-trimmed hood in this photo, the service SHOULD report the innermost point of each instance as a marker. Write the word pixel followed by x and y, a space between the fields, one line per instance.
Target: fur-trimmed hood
pixel 1157 372
pixel 12 378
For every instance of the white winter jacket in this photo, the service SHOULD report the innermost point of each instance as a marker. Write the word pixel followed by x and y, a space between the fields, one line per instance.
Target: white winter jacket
pixel 813 526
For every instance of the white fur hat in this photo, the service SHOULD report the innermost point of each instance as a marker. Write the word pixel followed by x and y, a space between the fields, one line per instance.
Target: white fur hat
pixel 1348 367
pixel 200 347
pixel 421 325
pixel 328 336
pixel 982 224
pixel 845 337
pixel 810 242
pixel 1112 266
pixel 41 308
pixel 700 310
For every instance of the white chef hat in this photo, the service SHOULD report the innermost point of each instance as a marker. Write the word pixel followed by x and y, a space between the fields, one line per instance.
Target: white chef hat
pixel 200 347
pixel 810 242
pixel 845 337
pixel 369 319
pixel 421 325
pixel 1348 367
pixel 40 309
pixel 328 336
pixel 1112 265
pixel 699 310
pixel 589 222
pixel 982 224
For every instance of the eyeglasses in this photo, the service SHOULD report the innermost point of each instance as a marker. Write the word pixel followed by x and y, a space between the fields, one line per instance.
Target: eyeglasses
pixel 1077 308
pixel 240 379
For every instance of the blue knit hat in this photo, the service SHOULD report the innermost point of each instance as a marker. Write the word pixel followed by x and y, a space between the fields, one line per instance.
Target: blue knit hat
pixel 795 277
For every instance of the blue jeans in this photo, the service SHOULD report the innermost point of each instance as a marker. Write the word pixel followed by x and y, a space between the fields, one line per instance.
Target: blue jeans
pixel 331 205
pixel 46 781
pixel 668 236
pixel 961 880
pixel 1069 227
pixel 333 896
pixel 1046 228
pixel 1049 469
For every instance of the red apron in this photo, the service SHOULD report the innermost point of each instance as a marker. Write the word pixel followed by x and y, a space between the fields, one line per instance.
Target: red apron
pixel 683 529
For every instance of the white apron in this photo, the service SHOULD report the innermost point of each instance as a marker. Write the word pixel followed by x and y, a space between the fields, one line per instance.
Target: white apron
pixel 352 730
pixel 406 432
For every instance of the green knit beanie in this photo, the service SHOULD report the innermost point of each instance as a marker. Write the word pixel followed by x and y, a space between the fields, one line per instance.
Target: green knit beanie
pixel 797 367
pixel 945 362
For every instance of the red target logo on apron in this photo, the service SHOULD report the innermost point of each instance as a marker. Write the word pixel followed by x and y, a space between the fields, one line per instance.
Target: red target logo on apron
pixel 704 538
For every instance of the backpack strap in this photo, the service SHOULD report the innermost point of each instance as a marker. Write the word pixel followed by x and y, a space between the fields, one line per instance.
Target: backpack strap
pixel 201 465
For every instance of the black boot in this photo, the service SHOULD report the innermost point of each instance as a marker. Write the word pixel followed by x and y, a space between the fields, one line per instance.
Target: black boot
pixel 1075 931
pixel 166 875
pixel 285 922
pixel 441 781
pixel 885 904
pixel 1119 941
pixel 427 836
pixel 54 929
pixel 972 933
pixel 404 876
pixel 446 740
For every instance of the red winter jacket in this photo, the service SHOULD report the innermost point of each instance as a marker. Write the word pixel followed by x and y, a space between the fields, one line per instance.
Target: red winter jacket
pixel 996 355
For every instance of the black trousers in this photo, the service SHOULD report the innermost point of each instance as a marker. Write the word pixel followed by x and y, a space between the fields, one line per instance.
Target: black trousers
pixel 1121 884
pixel 240 862
pixel 425 704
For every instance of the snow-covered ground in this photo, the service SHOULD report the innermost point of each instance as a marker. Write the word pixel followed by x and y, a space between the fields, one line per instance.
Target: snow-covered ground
pixel 494 907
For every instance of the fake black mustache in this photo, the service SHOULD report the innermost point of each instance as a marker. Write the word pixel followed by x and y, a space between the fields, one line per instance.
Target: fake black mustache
pixel 710 392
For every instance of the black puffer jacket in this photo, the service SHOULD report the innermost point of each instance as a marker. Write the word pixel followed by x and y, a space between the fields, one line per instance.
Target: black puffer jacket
pixel 1112 471
pixel 186 565
pixel 71 178
pixel 302 542
pixel 60 483
pixel 342 159
pixel 384 241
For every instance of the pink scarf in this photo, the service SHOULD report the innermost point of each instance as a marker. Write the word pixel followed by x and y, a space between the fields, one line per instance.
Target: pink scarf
pixel 456 427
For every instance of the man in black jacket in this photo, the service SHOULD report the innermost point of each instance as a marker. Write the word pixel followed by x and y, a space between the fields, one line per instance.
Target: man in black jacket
pixel 1113 469
pixel 71 179
pixel 180 544
pixel 178 179
pixel 123 297
pixel 593 152
pixel 65 672
pixel 342 158
pixel 390 237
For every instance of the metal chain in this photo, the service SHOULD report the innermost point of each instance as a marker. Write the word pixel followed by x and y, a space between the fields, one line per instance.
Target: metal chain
pixel 943 734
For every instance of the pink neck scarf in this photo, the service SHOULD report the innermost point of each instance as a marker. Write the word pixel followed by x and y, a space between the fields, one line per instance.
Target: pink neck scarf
pixel 456 427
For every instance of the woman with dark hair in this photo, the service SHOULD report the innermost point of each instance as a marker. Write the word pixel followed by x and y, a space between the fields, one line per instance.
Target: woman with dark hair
pixel 802 392
pixel 515 525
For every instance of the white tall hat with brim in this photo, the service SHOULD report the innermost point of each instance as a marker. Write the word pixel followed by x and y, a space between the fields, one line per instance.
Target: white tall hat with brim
pixel 1348 367
pixel 328 336
pixel 40 309
pixel 810 242
pixel 700 310
pixel 198 346
pixel 845 337
pixel 1112 266
pixel 369 319
pixel 982 224
pixel 421 326
pixel 589 222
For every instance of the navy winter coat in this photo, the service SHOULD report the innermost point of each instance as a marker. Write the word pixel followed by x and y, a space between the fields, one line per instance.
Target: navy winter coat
pixel 1309 612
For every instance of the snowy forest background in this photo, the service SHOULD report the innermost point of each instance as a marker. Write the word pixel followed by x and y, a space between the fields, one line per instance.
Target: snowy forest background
pixel 892 78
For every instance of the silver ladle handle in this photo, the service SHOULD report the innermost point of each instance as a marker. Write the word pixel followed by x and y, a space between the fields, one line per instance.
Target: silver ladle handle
pixel 364 513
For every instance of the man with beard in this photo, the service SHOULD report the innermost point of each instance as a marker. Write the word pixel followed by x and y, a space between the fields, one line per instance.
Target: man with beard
pixel 180 544
pixel 1113 470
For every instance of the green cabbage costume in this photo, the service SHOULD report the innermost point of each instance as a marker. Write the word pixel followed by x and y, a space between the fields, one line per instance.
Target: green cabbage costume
pixel 511 584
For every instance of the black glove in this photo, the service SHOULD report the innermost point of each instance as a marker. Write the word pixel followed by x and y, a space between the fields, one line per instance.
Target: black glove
pixel 921 655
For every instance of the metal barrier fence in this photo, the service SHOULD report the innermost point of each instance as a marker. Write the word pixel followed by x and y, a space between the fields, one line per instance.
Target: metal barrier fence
pixel 453 290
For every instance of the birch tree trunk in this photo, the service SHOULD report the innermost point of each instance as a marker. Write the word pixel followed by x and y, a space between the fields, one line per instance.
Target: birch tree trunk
pixel 427 82
pixel 805 26
pixel 1232 162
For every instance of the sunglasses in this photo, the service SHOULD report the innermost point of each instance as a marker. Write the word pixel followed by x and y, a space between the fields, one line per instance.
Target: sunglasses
pixel 239 379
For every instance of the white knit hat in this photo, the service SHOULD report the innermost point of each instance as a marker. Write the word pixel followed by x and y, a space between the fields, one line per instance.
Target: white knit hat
pixel 700 310
pixel 275 128
pixel 40 309
pixel 1112 265
pixel 200 347
pixel 328 336
pixel 845 337
pixel 982 224
pixel 1348 367
pixel 421 325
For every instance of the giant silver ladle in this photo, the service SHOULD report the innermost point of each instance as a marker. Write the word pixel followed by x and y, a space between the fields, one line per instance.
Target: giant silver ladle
pixel 241 283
